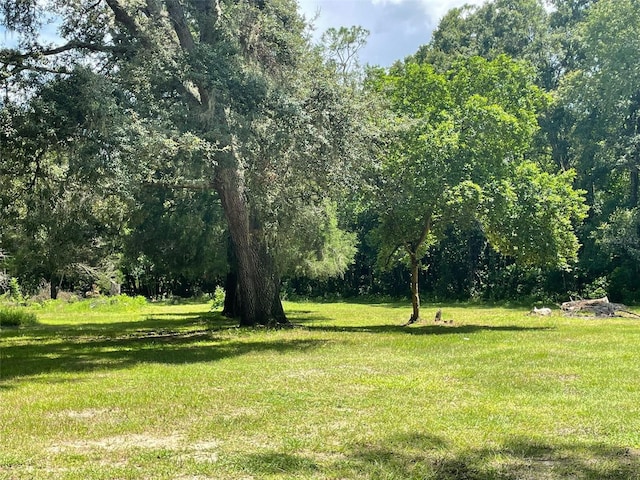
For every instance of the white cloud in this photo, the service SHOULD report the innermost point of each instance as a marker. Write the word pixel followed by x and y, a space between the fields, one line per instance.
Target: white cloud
pixel 398 27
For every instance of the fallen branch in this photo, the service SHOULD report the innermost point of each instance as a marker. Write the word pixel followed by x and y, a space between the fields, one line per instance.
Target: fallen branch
pixel 598 307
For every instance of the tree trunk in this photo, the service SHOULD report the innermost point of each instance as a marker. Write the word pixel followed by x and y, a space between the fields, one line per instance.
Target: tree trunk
pixel 277 310
pixel 415 295
pixel 56 285
pixel 231 307
pixel 257 280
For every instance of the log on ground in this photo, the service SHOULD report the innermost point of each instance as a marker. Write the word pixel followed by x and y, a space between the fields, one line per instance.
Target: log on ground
pixel 597 307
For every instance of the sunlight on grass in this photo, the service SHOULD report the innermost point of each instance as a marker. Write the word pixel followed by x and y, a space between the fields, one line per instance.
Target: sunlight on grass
pixel 162 391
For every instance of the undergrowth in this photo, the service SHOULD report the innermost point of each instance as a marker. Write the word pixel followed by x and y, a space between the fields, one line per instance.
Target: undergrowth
pixel 116 303
pixel 16 316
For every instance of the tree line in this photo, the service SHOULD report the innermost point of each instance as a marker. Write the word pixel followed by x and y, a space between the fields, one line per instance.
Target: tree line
pixel 171 146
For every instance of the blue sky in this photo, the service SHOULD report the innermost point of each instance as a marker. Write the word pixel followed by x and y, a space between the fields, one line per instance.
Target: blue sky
pixel 397 27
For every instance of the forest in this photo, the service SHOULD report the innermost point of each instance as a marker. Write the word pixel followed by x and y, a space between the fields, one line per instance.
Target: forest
pixel 166 148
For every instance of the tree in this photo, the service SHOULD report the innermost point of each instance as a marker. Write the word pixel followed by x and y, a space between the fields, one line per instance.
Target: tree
pixel 62 208
pixel 458 154
pixel 602 97
pixel 341 47
pixel 236 76
pixel 516 28
pixel 176 241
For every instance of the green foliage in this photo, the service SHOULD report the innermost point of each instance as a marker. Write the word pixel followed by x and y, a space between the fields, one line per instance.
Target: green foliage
pixel 340 47
pixel 240 104
pixel 65 203
pixel 598 288
pixel 515 28
pixel 467 132
pixel 218 299
pixel 115 163
pixel 620 235
pixel 175 237
pixel 458 154
pixel 118 303
pixel 15 317
pixel 600 97
pixel 530 216
pixel 314 245
pixel 14 290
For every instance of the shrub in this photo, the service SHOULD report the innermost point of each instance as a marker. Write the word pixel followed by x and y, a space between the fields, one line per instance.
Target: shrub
pixel 127 301
pixel 218 299
pixel 116 303
pixel 15 292
pixel 596 289
pixel 14 317
pixel 67 297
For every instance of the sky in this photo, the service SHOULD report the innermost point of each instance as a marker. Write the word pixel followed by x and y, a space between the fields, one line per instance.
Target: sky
pixel 397 27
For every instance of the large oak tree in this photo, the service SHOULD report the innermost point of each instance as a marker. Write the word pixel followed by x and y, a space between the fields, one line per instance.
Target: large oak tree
pixel 235 83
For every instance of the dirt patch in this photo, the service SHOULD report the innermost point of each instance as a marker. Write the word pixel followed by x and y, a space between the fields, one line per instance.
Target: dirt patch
pixel 86 414
pixel 201 452
pixel 121 442
pixel 200 457
pixel 205 446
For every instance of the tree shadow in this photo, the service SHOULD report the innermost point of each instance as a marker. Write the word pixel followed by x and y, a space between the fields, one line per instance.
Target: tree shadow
pixel 273 463
pixel 427 329
pixel 423 456
pixel 517 458
pixel 401 303
pixel 94 347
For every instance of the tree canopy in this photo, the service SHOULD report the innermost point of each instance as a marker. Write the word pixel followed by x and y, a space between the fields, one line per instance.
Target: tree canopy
pixel 231 92
pixel 460 152
pixel 175 145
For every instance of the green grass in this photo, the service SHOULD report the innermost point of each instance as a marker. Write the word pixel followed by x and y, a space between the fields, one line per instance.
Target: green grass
pixel 176 392
pixel 16 316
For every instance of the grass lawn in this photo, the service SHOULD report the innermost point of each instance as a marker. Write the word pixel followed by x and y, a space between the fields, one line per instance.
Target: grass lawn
pixel 174 392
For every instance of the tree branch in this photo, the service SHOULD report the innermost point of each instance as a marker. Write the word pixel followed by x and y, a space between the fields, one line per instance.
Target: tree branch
pixel 127 21
pixel 194 186
pixel 181 27
pixel 123 17
pixel 20 60
pixel 425 232
pixel 179 22
pixel 6 72
pixel 393 252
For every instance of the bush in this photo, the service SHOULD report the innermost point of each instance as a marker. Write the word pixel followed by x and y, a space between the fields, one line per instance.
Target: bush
pixel 218 299
pixel 15 292
pixel 14 317
pixel 598 288
pixel 117 303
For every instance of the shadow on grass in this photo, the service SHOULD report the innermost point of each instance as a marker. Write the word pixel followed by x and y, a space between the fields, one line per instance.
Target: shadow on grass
pixel 156 321
pixel 418 456
pixel 401 303
pixel 427 329
pixel 93 347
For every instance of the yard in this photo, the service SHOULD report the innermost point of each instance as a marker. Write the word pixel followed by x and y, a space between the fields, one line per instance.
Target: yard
pixel 175 392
